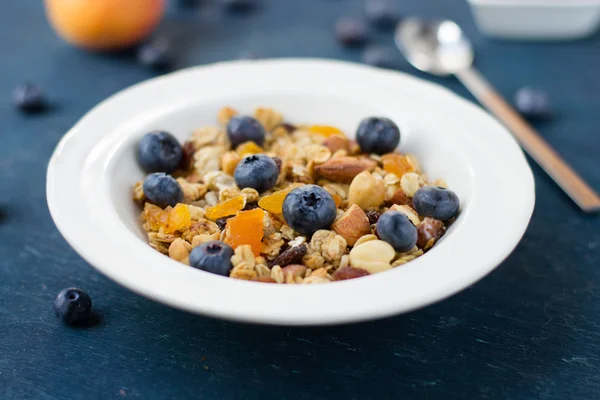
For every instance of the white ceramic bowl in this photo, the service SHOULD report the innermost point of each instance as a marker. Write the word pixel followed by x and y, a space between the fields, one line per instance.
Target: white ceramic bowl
pixel 537 19
pixel 92 171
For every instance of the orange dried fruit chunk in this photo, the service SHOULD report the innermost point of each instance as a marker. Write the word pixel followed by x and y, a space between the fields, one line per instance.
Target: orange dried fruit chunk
pixel 274 202
pixel 396 164
pixel 248 148
pixel 226 208
pixel 155 216
pixel 179 219
pixel 337 200
pixel 246 228
pixel 325 130
pixel 170 220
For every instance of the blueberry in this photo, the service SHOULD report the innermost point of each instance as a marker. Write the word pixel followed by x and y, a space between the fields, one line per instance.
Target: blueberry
pixel 436 202
pixel 309 208
pixel 155 54
pixel 29 98
pixel 159 152
pixel 73 306
pixel 378 135
pixel 351 31
pixel 162 190
pixel 241 129
pixel 257 171
pixel 533 103
pixel 213 257
pixel 379 57
pixel 382 13
pixel 395 228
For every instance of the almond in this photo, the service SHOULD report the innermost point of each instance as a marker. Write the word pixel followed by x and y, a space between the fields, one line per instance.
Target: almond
pixel 335 143
pixel 344 169
pixel 352 225
pixel 366 191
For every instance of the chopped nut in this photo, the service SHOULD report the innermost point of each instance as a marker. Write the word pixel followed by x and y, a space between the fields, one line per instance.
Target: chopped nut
pixel 352 225
pixel 365 239
pixel 344 169
pixel 297 242
pixel 410 183
pixel 366 191
pixel 271 245
pixel 335 143
pixel 429 231
pixel 225 114
pixel 180 250
pixel 346 273
pixel 399 198
pixel 373 256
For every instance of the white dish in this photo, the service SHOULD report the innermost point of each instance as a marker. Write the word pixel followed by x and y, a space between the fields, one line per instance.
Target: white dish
pixel 92 171
pixel 537 19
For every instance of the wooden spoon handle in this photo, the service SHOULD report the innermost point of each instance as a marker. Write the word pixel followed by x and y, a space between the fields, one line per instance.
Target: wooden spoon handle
pixel 531 141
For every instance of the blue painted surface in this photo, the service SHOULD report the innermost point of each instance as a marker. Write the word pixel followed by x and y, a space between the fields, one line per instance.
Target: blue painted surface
pixel 530 330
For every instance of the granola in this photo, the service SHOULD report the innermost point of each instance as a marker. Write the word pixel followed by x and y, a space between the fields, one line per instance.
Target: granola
pixel 266 246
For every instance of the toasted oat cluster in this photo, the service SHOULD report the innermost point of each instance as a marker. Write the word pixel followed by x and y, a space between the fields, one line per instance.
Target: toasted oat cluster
pixel 201 205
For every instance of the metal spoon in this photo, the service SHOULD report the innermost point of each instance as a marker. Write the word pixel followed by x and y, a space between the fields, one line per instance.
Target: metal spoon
pixel 441 48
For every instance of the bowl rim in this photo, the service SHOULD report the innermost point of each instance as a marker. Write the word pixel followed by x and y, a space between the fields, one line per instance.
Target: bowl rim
pixel 73 209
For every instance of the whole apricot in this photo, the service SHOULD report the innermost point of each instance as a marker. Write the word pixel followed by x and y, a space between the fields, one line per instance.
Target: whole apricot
pixel 104 24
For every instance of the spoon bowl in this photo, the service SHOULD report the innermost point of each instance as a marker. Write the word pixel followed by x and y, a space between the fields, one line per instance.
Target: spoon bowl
pixel 435 46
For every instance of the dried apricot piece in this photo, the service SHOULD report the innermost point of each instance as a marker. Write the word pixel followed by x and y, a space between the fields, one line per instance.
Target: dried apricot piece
pixel 248 148
pixel 325 130
pixel 274 202
pixel 246 228
pixel 226 208
pixel 337 199
pixel 155 216
pixel 179 219
pixel 397 164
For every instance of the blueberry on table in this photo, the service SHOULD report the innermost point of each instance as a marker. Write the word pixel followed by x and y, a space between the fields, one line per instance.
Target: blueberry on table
pixel 309 208
pixel 382 13
pixel 257 171
pixel 73 306
pixel 213 257
pixel 532 103
pixel 242 128
pixel 29 98
pixel 351 31
pixel 155 54
pixel 395 228
pixel 436 202
pixel 377 135
pixel 159 152
pixel 162 190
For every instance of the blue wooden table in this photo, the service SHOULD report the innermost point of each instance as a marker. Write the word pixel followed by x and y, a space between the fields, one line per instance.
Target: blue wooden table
pixel 530 330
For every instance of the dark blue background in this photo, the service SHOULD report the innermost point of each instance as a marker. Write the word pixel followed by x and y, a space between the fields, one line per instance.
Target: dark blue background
pixel 530 330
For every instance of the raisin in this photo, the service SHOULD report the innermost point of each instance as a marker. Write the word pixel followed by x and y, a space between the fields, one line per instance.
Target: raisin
pixel 278 162
pixel 222 222
pixel 288 127
pixel 427 230
pixel 373 216
pixel 345 273
pixel 187 156
pixel 250 206
pixel 293 255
